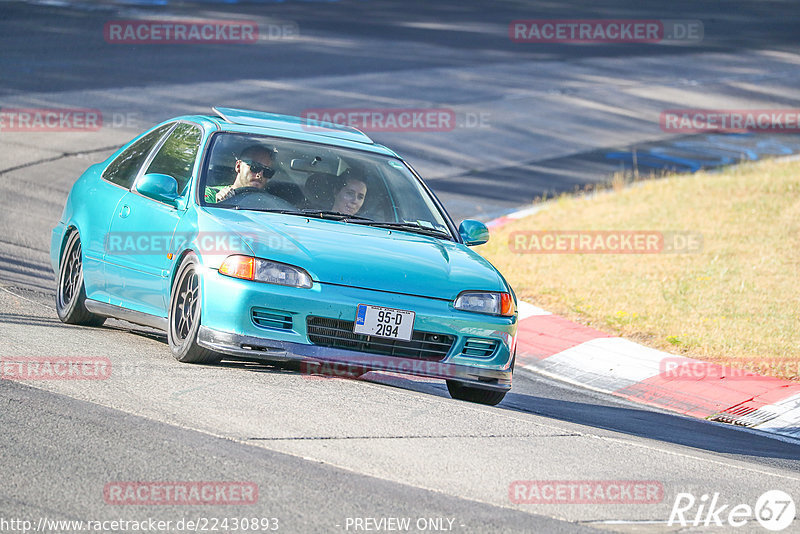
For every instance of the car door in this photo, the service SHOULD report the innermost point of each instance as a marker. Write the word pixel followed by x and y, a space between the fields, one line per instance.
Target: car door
pixel 103 199
pixel 142 228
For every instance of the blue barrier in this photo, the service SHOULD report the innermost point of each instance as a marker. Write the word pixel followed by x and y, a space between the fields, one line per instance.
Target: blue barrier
pixel 712 150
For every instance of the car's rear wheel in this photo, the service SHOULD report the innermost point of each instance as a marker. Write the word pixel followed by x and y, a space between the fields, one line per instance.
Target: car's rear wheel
pixel 184 316
pixel 461 391
pixel 71 291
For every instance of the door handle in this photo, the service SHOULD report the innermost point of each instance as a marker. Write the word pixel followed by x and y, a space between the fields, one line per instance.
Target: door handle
pixel 125 211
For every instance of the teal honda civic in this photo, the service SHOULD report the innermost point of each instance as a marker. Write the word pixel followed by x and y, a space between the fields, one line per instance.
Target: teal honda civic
pixel 263 236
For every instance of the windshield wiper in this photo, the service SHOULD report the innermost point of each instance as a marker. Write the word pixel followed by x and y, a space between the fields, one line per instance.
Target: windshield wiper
pixel 318 214
pixel 323 214
pixel 413 227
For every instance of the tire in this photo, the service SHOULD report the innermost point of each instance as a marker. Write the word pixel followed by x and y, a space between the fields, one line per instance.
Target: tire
pixel 184 316
pixel 490 397
pixel 70 290
pixel 460 391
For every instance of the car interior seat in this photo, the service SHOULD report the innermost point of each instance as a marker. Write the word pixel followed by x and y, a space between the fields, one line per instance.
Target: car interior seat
pixel 288 191
pixel 319 191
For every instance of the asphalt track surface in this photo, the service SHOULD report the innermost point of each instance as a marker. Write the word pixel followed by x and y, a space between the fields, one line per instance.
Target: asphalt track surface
pixel 326 451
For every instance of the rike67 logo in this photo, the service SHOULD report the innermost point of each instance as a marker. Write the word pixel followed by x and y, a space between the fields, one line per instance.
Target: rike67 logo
pixel 774 510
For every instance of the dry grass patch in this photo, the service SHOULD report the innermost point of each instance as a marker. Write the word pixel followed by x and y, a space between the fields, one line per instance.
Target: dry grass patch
pixel 737 300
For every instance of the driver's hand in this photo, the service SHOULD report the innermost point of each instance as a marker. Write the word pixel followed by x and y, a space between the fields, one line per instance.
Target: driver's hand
pixel 225 193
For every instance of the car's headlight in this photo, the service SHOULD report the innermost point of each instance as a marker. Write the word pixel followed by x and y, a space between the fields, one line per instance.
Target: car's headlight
pixel 271 272
pixel 486 302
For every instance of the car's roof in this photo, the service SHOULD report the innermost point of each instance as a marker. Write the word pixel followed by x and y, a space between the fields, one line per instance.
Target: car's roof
pixel 290 127
pixel 263 119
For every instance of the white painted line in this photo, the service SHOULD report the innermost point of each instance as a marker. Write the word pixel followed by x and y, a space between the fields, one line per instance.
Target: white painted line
pixel 529 310
pixel 610 359
pixel 525 212
pixel 786 418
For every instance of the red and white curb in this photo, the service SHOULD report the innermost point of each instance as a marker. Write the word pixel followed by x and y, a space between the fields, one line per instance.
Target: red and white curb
pixel 557 347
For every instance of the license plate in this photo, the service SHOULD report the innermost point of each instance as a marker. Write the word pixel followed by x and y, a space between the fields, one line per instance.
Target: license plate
pixel 384 322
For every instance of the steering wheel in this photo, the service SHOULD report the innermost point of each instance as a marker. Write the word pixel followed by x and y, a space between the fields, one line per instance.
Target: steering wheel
pixel 249 189
pixel 257 198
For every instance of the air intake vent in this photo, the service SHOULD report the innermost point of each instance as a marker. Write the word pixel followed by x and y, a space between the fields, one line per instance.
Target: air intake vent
pixel 272 319
pixel 479 348
pixel 335 333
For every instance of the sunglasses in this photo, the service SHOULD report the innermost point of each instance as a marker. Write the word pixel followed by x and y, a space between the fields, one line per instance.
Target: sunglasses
pixel 259 168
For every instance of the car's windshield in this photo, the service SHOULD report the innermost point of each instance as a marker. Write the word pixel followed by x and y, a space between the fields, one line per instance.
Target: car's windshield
pixel 261 173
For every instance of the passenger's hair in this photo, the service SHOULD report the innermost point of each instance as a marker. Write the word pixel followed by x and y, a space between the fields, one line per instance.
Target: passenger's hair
pixel 341 181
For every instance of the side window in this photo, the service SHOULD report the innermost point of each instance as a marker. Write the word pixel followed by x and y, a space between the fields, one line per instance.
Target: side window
pixel 122 171
pixel 177 154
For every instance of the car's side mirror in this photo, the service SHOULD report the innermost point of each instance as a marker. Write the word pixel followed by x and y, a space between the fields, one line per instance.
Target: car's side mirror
pixel 473 232
pixel 159 187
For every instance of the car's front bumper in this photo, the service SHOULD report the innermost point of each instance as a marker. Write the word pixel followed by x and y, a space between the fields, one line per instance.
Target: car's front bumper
pixel 228 327
pixel 346 360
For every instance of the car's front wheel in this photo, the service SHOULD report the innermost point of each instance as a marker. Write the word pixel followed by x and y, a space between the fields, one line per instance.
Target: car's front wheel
pixel 71 291
pixel 461 391
pixel 184 315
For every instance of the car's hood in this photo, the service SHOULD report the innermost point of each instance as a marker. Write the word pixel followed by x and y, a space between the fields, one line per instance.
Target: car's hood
pixel 356 255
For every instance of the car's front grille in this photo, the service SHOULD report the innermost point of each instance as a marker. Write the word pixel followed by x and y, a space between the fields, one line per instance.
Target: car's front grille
pixel 338 334
pixel 479 348
pixel 272 319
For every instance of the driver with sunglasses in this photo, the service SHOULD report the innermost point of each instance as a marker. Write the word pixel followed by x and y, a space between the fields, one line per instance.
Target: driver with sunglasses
pixel 252 170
